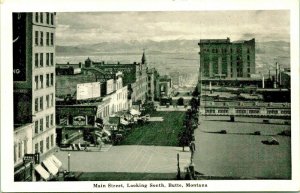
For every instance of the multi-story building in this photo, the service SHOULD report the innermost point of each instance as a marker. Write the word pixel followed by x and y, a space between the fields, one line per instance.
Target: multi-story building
pixel 152 84
pixel 220 58
pixel 34 77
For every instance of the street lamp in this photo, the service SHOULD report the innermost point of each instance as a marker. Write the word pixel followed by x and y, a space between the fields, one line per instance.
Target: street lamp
pixel 69 161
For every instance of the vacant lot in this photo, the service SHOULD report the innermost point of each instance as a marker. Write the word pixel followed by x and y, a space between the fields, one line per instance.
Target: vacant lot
pixel 161 133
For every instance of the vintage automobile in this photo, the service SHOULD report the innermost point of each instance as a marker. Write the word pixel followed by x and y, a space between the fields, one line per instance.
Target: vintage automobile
pixel 271 141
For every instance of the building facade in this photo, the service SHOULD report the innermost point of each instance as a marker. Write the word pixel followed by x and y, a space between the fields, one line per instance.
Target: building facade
pixel 34 78
pixel 220 58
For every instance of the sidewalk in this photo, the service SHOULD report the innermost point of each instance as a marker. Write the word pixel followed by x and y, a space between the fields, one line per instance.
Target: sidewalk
pixel 127 158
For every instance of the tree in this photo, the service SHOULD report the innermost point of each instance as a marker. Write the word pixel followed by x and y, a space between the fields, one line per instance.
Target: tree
pixel 180 101
pixel 196 92
pixel 184 139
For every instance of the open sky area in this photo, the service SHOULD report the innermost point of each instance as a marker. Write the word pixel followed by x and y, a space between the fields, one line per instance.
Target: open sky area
pixel 75 28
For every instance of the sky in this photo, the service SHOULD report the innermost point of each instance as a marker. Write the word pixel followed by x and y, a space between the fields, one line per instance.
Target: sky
pixel 95 27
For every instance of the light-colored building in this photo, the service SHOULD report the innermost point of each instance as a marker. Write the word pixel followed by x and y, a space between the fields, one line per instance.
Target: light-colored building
pixel 34 78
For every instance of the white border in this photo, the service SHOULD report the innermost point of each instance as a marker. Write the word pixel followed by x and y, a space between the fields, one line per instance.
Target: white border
pixel 9 6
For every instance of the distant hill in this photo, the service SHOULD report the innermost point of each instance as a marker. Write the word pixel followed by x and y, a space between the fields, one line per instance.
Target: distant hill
pixel 266 52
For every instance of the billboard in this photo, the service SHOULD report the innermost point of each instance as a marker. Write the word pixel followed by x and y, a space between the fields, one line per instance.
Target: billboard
pixel 19 46
pixel 109 86
pixel 88 90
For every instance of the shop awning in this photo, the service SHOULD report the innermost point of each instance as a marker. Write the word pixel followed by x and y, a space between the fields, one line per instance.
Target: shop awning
pixel 56 161
pixel 44 174
pixel 51 167
pixel 124 122
pixel 135 112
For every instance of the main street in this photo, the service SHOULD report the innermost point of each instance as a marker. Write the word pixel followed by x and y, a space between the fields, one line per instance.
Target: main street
pixel 127 158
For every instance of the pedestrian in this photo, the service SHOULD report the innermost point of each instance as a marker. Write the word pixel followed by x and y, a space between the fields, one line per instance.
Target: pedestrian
pixel 192 149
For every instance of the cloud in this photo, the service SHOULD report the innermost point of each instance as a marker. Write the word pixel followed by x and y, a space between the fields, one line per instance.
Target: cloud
pixel 93 27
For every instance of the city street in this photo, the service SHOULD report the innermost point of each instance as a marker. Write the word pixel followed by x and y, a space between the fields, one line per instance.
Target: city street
pixel 127 158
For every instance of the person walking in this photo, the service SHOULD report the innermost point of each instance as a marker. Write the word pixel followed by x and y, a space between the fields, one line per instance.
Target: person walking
pixel 192 149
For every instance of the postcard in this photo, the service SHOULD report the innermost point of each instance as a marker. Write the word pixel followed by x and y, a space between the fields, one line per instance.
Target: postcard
pixel 173 96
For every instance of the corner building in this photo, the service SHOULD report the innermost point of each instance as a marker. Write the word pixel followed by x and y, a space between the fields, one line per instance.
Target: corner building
pixel 220 58
pixel 34 78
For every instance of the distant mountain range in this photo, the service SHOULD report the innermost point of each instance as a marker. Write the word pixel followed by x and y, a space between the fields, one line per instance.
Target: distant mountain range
pixel 266 52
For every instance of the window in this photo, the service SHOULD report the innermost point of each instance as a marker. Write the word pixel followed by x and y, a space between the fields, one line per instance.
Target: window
pixel 42 146
pixel 47 121
pixel 42 81
pixel 47 18
pixel 41 59
pixel 36 38
pixel 36 82
pixel 25 146
pixel 51 120
pixel 36 60
pixel 51 59
pixel 15 153
pixel 52 79
pixel 52 39
pixel 20 150
pixel 36 127
pixel 36 148
pixel 47 80
pixel 52 100
pixel 36 105
pixel 51 19
pixel 47 143
pixel 36 17
pixel 47 101
pixel 41 124
pixel 41 17
pixel 47 39
pixel 52 140
pixel 47 59
pixel 42 39
pixel 41 103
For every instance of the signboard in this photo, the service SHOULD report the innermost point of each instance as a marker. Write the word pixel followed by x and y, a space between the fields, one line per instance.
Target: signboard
pixel 79 121
pixel 32 158
pixel 88 90
pixel 76 110
pixel 109 86
pixel 19 47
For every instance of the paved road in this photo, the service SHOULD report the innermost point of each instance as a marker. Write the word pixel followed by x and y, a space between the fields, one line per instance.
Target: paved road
pixel 127 158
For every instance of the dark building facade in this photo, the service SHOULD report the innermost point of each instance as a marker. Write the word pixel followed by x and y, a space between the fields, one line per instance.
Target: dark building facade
pixel 220 58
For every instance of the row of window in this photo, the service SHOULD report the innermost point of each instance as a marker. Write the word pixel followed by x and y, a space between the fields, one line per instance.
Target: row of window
pixel 39 59
pixel 224 50
pixel 39 18
pixel 39 124
pixel 39 81
pixel 20 150
pixel 39 147
pixel 39 102
pixel 254 111
pixel 119 96
pixel 39 38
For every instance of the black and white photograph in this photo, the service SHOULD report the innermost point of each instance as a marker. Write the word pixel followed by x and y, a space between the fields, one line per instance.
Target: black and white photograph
pixel 152 100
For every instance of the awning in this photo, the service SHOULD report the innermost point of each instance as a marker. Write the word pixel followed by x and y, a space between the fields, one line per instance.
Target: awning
pixel 135 112
pixel 124 122
pixel 56 161
pixel 45 175
pixel 50 166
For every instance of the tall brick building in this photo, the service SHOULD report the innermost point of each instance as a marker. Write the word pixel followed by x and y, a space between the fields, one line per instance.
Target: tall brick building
pixel 220 58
